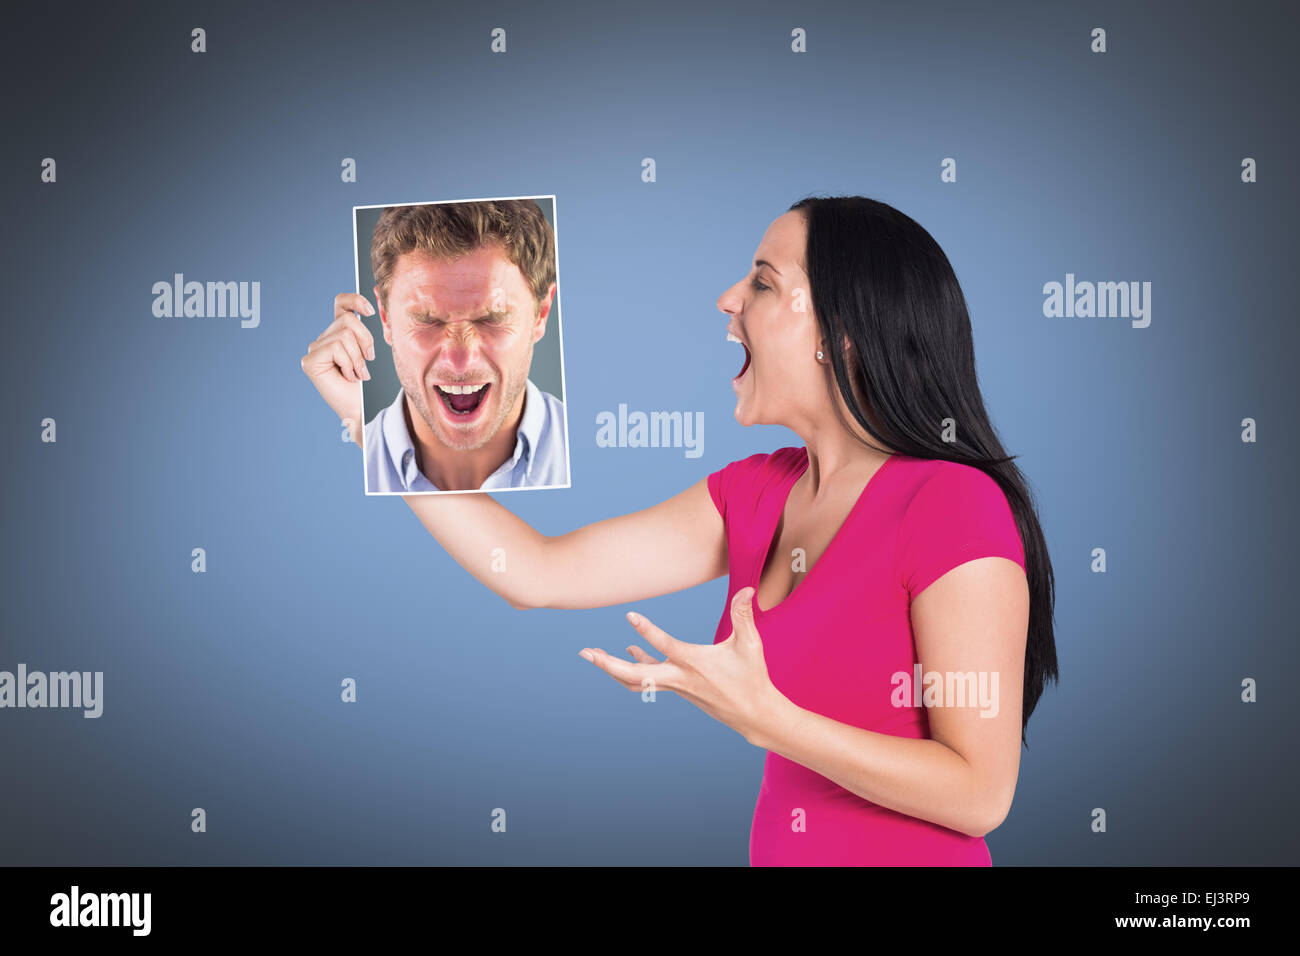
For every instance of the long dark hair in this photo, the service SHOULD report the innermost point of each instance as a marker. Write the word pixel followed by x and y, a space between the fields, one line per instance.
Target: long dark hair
pixel 881 281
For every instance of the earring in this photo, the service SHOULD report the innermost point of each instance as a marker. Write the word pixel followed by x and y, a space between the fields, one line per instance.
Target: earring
pixel 819 355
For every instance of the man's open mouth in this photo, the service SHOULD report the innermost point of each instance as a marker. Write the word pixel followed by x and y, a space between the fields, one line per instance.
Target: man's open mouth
pixel 462 399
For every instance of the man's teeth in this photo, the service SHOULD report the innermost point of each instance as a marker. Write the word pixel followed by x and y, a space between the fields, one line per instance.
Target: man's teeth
pixel 461 389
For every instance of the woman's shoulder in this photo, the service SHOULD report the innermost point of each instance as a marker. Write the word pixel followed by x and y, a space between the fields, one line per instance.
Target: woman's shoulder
pixel 918 472
pixel 936 479
pixel 764 462
pixel 943 494
pixel 953 514
pixel 749 477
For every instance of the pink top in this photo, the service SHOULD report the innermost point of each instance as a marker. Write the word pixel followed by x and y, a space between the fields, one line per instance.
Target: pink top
pixel 834 644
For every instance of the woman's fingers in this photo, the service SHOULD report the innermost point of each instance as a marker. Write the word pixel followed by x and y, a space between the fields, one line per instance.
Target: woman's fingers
pixel 342 360
pixel 342 346
pixel 348 339
pixel 625 671
pixel 742 617
pixel 335 360
pixel 641 655
pixel 590 655
pixel 664 643
pixel 346 302
pixel 662 675
pixel 364 338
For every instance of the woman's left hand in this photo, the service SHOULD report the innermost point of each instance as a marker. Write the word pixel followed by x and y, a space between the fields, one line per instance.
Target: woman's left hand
pixel 728 681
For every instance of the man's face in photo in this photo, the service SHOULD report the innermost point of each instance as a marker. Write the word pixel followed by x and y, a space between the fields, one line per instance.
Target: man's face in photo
pixel 462 332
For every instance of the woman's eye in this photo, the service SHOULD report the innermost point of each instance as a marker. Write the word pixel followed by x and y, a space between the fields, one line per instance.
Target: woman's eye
pixel 758 286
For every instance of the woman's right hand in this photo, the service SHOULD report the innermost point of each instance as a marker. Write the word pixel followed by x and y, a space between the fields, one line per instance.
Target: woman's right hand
pixel 336 361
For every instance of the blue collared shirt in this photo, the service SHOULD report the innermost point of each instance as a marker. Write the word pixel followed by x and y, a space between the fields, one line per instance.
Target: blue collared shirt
pixel 541 456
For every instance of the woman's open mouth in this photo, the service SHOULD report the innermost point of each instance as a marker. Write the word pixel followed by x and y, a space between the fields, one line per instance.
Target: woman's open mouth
pixel 744 368
pixel 462 401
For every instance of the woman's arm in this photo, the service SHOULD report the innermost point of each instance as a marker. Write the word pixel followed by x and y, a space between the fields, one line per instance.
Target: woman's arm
pixel 673 545
pixel 974 619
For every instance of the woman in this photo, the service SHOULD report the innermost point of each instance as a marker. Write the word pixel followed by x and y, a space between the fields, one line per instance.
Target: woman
pixel 887 579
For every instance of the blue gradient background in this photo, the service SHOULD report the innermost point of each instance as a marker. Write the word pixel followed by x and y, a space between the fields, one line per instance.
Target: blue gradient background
pixel 222 689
